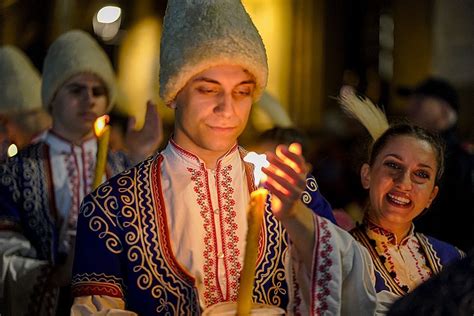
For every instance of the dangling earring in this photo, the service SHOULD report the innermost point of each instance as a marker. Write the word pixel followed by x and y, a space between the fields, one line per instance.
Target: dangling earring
pixel 172 105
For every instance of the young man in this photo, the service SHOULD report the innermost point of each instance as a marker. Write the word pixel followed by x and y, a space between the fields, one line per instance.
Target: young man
pixel 168 236
pixel 22 118
pixel 42 187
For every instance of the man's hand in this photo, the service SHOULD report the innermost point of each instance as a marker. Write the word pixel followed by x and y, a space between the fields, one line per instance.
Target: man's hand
pixel 286 179
pixel 141 144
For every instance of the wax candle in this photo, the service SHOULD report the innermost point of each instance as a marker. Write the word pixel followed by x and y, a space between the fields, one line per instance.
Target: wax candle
pixel 102 132
pixel 247 276
pixel 255 214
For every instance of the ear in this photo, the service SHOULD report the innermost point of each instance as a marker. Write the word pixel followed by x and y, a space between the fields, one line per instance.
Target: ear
pixel 365 175
pixel 434 193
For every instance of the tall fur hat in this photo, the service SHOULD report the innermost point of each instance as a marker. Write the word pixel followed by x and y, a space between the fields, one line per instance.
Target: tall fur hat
pixel 200 34
pixel 72 53
pixel 19 82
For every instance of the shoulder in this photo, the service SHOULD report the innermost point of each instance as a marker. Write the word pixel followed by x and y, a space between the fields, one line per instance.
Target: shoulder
pixel 32 152
pixel 30 158
pixel 128 179
pixel 446 251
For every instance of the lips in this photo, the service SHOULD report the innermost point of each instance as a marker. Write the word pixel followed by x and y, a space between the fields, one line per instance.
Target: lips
pixel 88 116
pixel 222 128
pixel 398 200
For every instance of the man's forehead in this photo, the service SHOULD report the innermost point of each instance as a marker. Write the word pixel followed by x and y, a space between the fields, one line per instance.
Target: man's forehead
pixel 85 79
pixel 225 73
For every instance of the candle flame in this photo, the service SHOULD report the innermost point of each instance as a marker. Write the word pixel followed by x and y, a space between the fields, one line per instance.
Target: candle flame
pixel 259 161
pixel 100 124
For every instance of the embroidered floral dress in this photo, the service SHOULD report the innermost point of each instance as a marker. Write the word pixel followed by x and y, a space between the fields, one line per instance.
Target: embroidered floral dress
pixel 402 265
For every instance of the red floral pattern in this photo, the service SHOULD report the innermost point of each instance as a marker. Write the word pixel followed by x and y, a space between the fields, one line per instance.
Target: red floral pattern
pixel 226 203
pixel 229 227
pixel 321 275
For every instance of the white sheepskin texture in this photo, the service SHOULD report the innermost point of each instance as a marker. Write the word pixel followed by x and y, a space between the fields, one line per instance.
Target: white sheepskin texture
pixel 200 34
pixel 20 82
pixel 73 53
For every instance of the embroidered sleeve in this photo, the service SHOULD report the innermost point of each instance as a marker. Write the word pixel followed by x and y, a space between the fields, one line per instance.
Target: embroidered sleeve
pixel 341 280
pixel 313 199
pixel 9 193
pixel 91 305
pixel 97 268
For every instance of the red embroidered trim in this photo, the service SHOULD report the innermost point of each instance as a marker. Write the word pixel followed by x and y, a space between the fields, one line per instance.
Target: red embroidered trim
pixel 229 227
pixel 72 168
pixel 162 223
pixel 321 275
pixel 93 288
pixel 418 267
pixel 183 151
pixel 212 292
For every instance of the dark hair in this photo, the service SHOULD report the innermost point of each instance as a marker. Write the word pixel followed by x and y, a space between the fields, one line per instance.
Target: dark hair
pixel 283 135
pixel 406 129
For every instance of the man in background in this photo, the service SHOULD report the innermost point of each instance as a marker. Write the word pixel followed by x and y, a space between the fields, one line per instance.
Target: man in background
pixel 434 104
pixel 22 119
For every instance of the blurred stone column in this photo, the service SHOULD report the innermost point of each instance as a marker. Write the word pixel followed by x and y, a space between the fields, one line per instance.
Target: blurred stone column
pixel 64 17
pixel 307 84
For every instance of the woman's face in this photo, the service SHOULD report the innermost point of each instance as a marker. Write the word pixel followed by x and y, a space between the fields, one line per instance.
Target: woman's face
pixel 401 181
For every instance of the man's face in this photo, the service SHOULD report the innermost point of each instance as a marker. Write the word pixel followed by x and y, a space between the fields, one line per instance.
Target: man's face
pixel 212 110
pixel 77 104
pixel 428 112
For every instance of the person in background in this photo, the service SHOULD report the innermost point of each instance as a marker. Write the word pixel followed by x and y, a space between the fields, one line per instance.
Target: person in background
pixel 22 118
pixel 401 173
pixel 42 187
pixel 270 139
pixel 168 236
pixel 434 105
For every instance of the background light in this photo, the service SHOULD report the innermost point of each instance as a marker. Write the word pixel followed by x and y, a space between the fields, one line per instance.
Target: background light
pixel 106 22
pixel 12 150
pixel 109 14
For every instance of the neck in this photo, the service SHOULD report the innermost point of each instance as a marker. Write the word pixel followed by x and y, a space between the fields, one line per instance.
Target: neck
pixel 399 230
pixel 209 156
pixel 74 138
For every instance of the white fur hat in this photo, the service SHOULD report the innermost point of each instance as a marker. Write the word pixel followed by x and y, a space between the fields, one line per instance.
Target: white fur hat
pixel 19 82
pixel 72 53
pixel 200 34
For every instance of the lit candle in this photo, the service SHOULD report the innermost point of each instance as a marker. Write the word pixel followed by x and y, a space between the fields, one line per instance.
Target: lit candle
pixel 102 131
pixel 255 214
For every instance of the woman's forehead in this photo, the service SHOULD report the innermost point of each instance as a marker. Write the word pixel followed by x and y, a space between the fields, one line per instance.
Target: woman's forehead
pixel 409 147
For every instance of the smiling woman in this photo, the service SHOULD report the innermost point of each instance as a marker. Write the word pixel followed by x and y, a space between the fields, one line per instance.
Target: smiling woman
pixel 404 165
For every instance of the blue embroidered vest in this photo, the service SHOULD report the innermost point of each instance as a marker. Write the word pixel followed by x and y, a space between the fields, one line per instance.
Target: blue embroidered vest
pixel 125 221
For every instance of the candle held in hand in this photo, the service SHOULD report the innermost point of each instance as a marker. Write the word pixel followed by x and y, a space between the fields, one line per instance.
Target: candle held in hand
pixel 102 131
pixel 255 215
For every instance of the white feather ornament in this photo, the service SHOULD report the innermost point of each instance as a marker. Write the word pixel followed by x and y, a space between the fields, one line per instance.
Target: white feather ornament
pixel 363 110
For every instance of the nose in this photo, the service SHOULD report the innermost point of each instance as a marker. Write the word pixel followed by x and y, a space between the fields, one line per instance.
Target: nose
pixel 88 96
pixel 225 105
pixel 403 181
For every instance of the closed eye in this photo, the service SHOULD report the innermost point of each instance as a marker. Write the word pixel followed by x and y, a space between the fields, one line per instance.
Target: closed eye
pixel 207 90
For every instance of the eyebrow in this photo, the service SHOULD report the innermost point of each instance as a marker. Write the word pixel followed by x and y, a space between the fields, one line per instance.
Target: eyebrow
pixel 85 86
pixel 400 158
pixel 206 79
